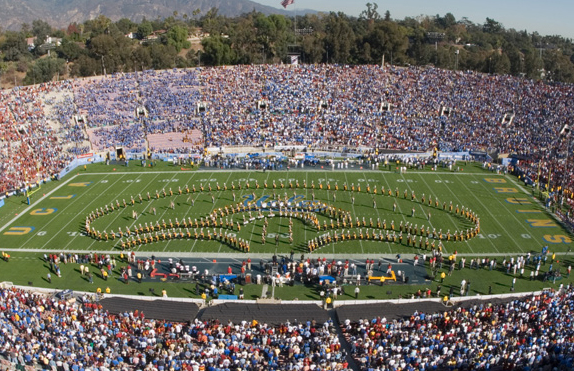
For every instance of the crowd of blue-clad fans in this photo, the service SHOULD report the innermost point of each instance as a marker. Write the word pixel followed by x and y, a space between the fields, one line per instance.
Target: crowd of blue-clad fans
pixel 334 107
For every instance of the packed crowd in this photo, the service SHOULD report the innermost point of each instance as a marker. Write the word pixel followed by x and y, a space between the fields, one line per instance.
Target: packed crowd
pixel 535 333
pixel 37 330
pixel 319 106
pixel 532 333
pixel 64 115
pixel 31 150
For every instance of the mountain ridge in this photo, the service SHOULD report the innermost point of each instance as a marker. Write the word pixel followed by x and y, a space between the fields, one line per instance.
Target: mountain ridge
pixel 60 13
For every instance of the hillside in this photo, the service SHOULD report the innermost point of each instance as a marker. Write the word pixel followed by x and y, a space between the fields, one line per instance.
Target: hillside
pixel 60 13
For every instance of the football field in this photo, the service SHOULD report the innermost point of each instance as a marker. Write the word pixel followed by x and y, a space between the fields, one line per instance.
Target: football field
pixel 177 212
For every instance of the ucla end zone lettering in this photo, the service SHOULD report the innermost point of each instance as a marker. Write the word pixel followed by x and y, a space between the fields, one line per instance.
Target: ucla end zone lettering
pixel 18 231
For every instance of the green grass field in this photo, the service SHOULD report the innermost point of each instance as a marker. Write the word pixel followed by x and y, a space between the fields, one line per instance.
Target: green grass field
pixel 511 220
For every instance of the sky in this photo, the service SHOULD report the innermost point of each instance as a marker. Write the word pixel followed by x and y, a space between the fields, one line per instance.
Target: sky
pixel 550 17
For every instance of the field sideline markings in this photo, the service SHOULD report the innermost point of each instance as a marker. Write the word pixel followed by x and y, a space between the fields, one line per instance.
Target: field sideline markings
pixel 343 171
pixel 37 202
pixel 260 255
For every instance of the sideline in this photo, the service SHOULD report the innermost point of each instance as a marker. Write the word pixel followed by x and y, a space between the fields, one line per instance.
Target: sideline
pixel 36 202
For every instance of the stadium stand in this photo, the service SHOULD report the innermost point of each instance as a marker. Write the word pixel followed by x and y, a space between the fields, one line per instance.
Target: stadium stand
pixel 325 107
pixel 349 117
pixel 39 331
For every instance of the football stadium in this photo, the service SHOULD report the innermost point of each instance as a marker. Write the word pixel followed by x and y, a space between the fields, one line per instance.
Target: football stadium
pixel 287 217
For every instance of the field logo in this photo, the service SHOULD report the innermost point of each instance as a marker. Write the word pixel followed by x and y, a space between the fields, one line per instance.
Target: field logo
pixel 495 180
pixel 517 200
pixel 81 184
pixel 557 238
pixel 528 211
pixel 541 223
pixel 505 190
pixel 68 197
pixel 18 231
pixel 43 211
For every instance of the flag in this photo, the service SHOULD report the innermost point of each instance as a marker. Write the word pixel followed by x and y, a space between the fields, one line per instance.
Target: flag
pixel 285 3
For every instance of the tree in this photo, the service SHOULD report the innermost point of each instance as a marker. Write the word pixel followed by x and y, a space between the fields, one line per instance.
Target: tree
pixel 98 26
pixel 273 32
pixel 213 23
pixel 14 46
pixel 102 45
pixel 445 22
pixel 144 29
pixel 389 39
pixel 532 63
pixel 26 30
pixel 75 31
pixel 371 13
pixel 86 66
pixel 313 43
pixel 387 16
pixel 177 37
pixel 420 52
pixel 69 50
pixel 114 52
pixel 41 30
pixel 500 64
pixel 492 26
pixel 162 56
pixel 44 70
pixel 125 25
pixel 141 58
pixel 340 38
pixel 248 46
pixel 216 51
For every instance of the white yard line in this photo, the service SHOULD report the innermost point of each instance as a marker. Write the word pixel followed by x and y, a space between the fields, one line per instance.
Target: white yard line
pixel 37 202
pixel 207 181
pixel 112 185
pixel 492 218
pixel 219 197
pixel 378 214
pixel 450 217
pixel 72 220
pixel 354 212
